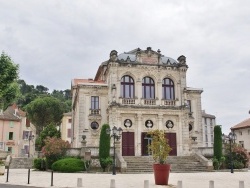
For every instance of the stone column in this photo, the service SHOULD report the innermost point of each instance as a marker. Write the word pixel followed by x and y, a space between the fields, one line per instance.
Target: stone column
pixel 138 131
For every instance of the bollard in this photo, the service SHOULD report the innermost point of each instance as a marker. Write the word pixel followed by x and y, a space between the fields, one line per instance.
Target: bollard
pixel 79 182
pixel 179 184
pixel 146 184
pixel 241 184
pixel 211 184
pixel 29 176
pixel 52 178
pixel 112 183
pixel 8 168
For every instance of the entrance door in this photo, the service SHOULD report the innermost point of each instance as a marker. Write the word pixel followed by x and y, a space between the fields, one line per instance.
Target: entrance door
pixel 128 144
pixel 145 140
pixel 172 143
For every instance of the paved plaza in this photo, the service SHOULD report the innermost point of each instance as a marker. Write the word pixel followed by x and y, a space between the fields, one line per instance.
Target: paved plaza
pixel 94 180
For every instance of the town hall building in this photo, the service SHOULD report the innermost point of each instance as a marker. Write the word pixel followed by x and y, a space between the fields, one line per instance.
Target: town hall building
pixel 139 90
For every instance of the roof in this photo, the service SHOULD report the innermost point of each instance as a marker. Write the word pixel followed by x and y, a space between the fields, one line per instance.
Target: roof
pixel 131 57
pixel 12 113
pixel 204 114
pixel 242 125
pixel 87 82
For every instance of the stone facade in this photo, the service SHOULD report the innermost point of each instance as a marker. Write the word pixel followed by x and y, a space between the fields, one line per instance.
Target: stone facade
pixel 208 123
pixel 138 91
pixel 242 132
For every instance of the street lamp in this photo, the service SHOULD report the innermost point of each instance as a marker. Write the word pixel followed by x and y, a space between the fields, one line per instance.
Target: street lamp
pixel 231 138
pixel 31 137
pixel 116 134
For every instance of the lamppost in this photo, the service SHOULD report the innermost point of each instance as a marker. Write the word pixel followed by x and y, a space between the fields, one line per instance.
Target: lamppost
pixel 31 137
pixel 116 134
pixel 231 137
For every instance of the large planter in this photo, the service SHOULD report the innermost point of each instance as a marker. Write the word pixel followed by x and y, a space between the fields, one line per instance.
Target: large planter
pixel 161 173
pixel 2 169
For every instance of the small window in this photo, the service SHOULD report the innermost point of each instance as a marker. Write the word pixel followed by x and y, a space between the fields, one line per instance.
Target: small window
pixel 11 124
pixel 241 143
pixel 1 145
pixel 94 125
pixel 69 120
pixel 26 149
pixel 11 135
pixel 69 133
pixel 10 149
pixel 190 127
pixel 26 135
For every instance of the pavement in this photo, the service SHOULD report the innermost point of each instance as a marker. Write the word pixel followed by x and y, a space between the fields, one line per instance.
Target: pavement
pixel 103 180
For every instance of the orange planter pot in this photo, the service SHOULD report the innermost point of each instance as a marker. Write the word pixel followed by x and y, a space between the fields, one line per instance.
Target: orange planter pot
pixel 161 173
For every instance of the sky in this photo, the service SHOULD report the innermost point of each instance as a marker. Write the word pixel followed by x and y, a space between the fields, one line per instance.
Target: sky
pixel 55 41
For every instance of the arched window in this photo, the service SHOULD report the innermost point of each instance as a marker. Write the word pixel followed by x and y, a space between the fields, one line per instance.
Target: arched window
pixel 168 89
pixel 127 87
pixel 148 88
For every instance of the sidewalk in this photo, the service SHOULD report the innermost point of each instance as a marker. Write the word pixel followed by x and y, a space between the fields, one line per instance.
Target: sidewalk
pixel 91 180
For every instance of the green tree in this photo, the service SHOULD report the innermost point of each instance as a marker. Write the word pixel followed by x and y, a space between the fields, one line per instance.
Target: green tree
pixel 218 157
pixel 104 147
pixel 44 111
pixel 8 77
pixel 48 132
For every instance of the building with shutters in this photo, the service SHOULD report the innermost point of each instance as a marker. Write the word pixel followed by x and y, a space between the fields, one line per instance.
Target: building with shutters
pixel 139 90
pixel 15 132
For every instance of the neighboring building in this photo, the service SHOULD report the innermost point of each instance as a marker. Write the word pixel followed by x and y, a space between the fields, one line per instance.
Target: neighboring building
pixel 242 131
pixel 16 132
pixel 139 91
pixel 66 127
pixel 208 123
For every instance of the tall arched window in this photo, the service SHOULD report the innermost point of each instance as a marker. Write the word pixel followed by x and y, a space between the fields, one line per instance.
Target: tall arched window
pixel 168 89
pixel 148 88
pixel 127 87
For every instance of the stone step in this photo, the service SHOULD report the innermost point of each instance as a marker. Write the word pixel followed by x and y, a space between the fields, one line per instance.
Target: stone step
pixel 178 164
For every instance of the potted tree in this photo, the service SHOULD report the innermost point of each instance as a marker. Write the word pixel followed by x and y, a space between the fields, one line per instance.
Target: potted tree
pixel 160 150
pixel 2 167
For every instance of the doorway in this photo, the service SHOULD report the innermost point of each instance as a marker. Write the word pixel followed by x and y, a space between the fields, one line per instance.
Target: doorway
pixel 128 144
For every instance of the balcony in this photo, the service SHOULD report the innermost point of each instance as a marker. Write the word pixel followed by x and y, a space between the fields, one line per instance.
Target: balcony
pixel 94 111
pixel 149 101
pixel 128 101
pixel 168 102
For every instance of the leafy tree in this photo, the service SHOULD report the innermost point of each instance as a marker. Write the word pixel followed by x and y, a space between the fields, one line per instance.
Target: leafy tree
pixel 218 157
pixel 43 111
pixel 49 131
pixel 104 147
pixel 54 150
pixel 8 77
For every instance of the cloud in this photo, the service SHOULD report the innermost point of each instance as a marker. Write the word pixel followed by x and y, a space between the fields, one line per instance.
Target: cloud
pixel 56 41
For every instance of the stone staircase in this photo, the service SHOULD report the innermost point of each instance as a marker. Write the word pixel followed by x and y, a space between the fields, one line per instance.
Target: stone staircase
pixel 143 164
pixel 21 163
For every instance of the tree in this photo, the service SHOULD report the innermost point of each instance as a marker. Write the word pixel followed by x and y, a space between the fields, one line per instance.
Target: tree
pixel 8 76
pixel 43 111
pixel 104 148
pixel 48 132
pixel 218 157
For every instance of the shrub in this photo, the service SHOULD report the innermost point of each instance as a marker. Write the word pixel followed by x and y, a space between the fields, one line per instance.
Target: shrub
pixel 54 150
pixel 104 147
pixel 39 163
pixel 68 165
pixel 240 156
